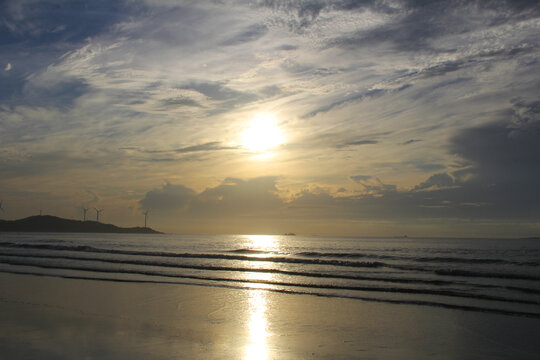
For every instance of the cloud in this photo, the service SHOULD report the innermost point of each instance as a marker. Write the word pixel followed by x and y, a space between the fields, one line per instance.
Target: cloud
pixel 224 98
pixel 169 198
pixel 416 25
pixel 360 178
pixel 362 95
pixel 411 141
pixel 299 14
pixel 47 22
pixel 52 162
pixel 57 94
pixel 214 90
pixel 358 143
pixel 339 74
pixel 287 47
pixel 251 33
pixel 180 101
pixel 209 146
pixel 505 154
pixel 499 182
pixel 427 167
pixel 436 181
pixel 233 197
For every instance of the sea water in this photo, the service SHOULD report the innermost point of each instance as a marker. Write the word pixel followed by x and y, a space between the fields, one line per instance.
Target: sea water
pixel 483 275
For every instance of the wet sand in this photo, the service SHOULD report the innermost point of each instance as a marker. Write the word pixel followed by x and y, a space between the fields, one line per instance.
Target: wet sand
pixel 54 318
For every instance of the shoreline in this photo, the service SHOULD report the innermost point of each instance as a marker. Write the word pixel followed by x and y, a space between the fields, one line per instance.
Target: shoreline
pixel 73 318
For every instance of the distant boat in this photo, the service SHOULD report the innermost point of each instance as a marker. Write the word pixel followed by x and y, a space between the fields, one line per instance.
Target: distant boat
pixel 289 234
pixel 401 237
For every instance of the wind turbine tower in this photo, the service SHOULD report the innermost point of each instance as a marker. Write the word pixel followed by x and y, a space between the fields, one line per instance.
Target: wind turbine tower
pixel 98 211
pixel 85 210
pixel 145 216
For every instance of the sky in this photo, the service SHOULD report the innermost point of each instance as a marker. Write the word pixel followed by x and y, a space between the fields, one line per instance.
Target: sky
pixel 330 117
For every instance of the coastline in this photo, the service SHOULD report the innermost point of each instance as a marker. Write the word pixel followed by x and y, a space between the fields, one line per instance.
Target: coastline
pixel 54 318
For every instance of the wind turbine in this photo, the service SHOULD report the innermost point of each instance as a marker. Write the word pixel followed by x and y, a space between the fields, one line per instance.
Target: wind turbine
pixel 98 211
pixel 84 213
pixel 145 216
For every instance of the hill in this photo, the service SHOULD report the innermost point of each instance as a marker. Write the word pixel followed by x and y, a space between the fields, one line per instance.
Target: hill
pixel 47 223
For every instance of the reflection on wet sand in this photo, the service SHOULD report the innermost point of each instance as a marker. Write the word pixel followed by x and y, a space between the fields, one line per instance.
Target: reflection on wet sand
pixel 257 325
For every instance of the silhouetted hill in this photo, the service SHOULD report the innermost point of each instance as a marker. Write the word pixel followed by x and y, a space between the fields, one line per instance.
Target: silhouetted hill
pixel 47 223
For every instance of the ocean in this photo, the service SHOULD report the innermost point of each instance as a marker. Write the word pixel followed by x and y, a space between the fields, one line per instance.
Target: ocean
pixel 480 275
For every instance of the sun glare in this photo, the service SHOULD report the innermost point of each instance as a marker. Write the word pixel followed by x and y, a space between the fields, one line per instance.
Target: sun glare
pixel 262 134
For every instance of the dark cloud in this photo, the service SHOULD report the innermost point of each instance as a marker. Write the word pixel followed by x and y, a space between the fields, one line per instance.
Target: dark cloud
pixel 209 146
pixel 193 153
pixel 358 143
pixel 430 92
pixel 193 149
pixel 505 154
pixel 270 91
pixel 233 197
pixel 213 90
pixel 338 140
pixel 287 47
pixel 444 68
pixel 421 23
pixel 237 197
pixel 499 181
pixel 303 13
pixel 53 21
pixel 60 94
pixel 360 96
pixel 226 98
pixel 35 34
pixel 180 101
pixel 360 178
pixel 52 162
pixel 411 141
pixel 169 198
pixel 427 167
pixel 251 33
pixel 436 181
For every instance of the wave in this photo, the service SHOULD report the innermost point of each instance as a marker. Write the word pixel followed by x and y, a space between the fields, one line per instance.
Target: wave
pixel 275 259
pixel 287 291
pixel 437 292
pixel 476 261
pixel 346 255
pixel 239 269
pixel 482 274
pixel 356 277
pixel 436 259
pixel 280 259
pixel 251 251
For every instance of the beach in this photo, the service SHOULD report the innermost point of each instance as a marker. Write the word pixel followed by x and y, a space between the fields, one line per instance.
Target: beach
pixel 57 318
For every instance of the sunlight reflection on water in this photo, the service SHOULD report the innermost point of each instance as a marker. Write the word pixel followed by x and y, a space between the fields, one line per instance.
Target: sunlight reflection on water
pixel 257 322
pixel 264 242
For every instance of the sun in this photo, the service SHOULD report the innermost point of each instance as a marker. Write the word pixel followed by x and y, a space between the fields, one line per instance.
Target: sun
pixel 262 134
